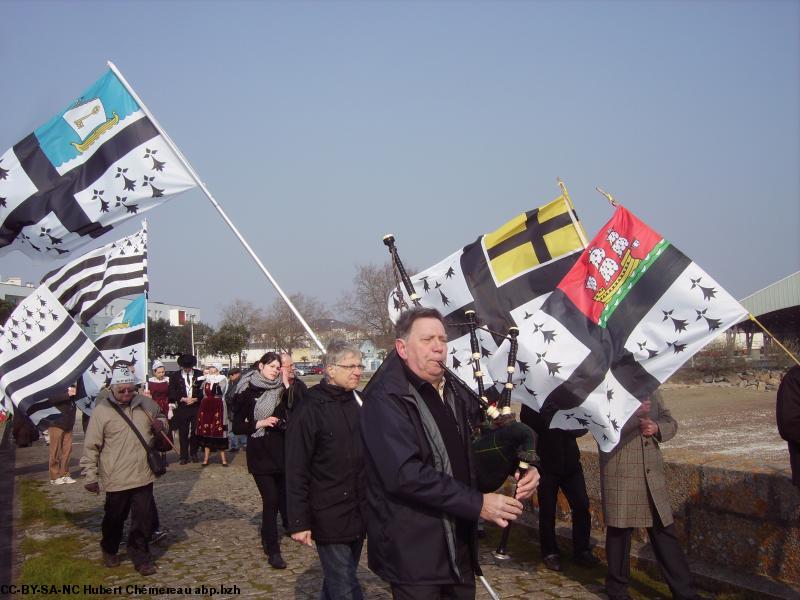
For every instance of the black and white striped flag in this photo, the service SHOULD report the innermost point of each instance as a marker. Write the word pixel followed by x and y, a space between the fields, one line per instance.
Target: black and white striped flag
pixel 43 351
pixel 87 284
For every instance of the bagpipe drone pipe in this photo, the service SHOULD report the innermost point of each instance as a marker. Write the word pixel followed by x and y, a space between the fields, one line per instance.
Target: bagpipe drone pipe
pixel 500 443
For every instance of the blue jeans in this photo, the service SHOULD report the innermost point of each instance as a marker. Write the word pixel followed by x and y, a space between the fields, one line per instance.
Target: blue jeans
pixel 237 441
pixel 339 564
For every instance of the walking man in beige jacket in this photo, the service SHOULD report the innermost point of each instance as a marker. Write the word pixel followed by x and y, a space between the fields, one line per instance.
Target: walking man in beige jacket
pixel 115 460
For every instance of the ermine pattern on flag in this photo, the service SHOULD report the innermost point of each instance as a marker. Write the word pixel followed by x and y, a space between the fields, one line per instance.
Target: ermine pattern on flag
pixel 42 352
pixel 89 283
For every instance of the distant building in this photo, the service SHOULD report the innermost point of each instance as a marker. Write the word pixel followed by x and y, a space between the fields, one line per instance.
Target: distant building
pixel 14 290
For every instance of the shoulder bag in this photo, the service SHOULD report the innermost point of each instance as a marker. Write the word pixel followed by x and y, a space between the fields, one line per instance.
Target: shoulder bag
pixel 156 462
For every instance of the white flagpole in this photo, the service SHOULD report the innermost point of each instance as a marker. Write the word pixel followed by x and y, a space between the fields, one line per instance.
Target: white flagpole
pixel 216 205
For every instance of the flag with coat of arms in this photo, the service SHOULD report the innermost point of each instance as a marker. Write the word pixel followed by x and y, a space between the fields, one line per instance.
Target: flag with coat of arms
pixel 98 162
pixel 631 310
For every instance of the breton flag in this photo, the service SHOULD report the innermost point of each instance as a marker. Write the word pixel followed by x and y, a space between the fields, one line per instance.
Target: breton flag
pixel 87 284
pixel 98 162
pixel 123 339
pixel 43 351
pixel 632 309
pixel 498 275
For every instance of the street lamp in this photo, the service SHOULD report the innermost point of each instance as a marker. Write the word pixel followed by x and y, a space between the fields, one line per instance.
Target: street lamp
pixel 191 332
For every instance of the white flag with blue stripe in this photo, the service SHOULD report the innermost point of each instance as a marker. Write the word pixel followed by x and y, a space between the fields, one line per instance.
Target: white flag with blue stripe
pixel 97 163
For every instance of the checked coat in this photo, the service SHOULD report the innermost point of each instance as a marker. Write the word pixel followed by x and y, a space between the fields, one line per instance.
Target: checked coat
pixel 634 470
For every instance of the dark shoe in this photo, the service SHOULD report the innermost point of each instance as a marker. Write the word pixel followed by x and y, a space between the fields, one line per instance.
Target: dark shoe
pixel 183 461
pixel 203 464
pixel 195 458
pixel 586 559
pixel 158 535
pixel 147 568
pixel 224 464
pixel 233 450
pixel 276 561
pixel 110 560
pixel 552 562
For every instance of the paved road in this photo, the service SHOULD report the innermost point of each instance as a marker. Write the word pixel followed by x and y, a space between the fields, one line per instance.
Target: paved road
pixel 214 516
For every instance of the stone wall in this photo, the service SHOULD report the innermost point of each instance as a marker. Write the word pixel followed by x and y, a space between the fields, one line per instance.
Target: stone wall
pixel 763 380
pixel 732 515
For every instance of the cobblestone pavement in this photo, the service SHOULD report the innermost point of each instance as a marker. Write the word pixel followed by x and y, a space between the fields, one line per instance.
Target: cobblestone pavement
pixel 213 515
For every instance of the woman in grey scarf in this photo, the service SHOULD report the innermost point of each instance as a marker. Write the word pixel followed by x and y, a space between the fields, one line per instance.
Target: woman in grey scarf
pixel 261 415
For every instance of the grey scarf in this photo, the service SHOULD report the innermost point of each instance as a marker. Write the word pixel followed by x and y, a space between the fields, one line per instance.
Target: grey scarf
pixel 266 402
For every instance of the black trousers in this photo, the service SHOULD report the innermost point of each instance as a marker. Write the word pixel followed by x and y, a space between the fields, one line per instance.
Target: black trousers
pixel 139 503
pixel 186 422
pixel 670 557
pixel 433 592
pixel 273 500
pixel 574 487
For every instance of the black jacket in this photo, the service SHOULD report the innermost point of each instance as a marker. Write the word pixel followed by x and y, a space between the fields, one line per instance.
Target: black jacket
pixel 66 405
pixel 557 449
pixel 787 413
pixel 177 390
pixel 325 477
pixel 265 454
pixel 411 505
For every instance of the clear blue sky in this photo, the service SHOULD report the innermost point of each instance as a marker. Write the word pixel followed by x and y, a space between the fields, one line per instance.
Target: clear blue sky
pixel 321 126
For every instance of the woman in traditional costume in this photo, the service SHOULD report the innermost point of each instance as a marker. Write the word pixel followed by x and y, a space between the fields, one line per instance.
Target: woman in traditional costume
pixel 261 415
pixel 211 429
pixel 158 384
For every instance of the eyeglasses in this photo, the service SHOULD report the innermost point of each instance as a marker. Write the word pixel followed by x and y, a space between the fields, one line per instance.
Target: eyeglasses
pixel 350 367
pixel 126 390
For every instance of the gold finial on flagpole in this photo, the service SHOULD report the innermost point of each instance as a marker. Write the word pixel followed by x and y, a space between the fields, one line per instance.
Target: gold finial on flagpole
pixel 609 197
pixel 565 193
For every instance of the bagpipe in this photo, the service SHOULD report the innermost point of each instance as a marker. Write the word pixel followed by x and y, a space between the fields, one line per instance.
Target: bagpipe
pixel 501 444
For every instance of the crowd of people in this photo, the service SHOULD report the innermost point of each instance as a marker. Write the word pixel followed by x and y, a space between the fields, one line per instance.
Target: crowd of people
pixel 392 464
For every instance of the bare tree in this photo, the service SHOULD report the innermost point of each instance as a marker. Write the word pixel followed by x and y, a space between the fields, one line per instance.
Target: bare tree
pixel 241 313
pixel 367 304
pixel 280 329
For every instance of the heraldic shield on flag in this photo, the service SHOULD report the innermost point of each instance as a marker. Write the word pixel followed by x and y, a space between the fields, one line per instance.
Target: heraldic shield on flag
pixel 627 315
pixel 499 275
pixel 98 162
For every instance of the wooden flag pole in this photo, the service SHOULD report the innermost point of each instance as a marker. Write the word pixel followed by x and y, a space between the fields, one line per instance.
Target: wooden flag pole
pixel 571 208
pixel 777 341
pixel 216 205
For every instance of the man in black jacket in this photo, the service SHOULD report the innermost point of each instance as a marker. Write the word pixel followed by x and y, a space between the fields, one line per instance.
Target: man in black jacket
pixel 325 485
pixel 787 412
pixel 560 466
pixel 422 500
pixel 185 393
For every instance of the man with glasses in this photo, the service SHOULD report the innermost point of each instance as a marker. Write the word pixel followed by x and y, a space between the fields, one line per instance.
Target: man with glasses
pixel 114 458
pixel 423 501
pixel 325 488
pixel 295 388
